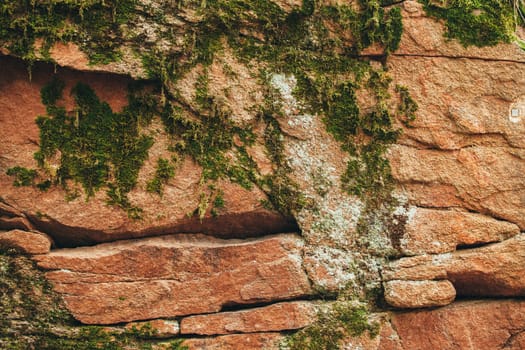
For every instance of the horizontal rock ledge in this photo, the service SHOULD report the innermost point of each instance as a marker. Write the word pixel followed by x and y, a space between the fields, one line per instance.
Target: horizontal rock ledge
pixel 175 275
pixel 276 317
pixel 495 270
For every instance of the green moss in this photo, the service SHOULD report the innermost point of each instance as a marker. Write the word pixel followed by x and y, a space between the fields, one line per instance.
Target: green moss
pixel 164 171
pixel 344 319
pixel 98 148
pixel 22 22
pixel 33 317
pixel 476 22
pixel 23 176
pixel 407 106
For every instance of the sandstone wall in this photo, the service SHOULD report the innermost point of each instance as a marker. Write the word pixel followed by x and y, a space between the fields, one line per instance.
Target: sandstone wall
pixel 446 260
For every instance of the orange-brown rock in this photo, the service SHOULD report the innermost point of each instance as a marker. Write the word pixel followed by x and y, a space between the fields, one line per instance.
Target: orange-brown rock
pixel 156 328
pixel 254 341
pixel 430 231
pixel 81 221
pixel 494 270
pixel 484 324
pixel 27 242
pixel 276 317
pixel 485 179
pixel 175 275
pixel 418 294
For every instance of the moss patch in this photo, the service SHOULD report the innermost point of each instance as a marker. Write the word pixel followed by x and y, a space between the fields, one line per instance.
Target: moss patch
pixel 476 22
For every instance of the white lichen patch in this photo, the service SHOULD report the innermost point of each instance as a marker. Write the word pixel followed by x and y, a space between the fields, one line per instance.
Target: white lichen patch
pixel 330 269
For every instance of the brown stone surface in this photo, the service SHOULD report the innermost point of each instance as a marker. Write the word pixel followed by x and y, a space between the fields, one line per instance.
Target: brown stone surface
pixel 494 270
pixel 475 325
pixel 78 221
pixel 418 294
pixel 157 328
pixel 430 231
pixel 276 317
pixel 175 275
pixel 254 341
pixel 27 242
pixel 485 179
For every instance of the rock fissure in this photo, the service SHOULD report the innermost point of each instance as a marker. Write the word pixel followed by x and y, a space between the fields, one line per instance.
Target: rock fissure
pixel 486 59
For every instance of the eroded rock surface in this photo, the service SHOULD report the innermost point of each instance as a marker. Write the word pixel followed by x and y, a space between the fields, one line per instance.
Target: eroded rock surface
pixel 276 317
pixel 175 275
pixel 26 242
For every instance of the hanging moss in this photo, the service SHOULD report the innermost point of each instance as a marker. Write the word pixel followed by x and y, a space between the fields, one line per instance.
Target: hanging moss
pixel 476 22
pixel 98 148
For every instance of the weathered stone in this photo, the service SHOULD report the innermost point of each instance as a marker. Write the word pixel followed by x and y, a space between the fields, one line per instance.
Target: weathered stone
pixel 417 294
pixel 494 270
pixel 430 231
pixel 485 324
pixel 80 222
pixel 418 268
pixel 175 275
pixel 254 341
pixel 27 242
pixel 485 179
pixel 276 317
pixel 156 328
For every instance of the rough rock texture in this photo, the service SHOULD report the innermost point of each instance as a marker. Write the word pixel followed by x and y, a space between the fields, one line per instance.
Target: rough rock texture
pixel 418 294
pixel 486 324
pixel 276 317
pixel 430 231
pixel 494 270
pixel 175 275
pixel 27 242
pixel 254 341
pixel 78 221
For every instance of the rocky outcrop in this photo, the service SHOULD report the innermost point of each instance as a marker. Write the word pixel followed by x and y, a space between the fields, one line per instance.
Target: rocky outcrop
pixel 175 275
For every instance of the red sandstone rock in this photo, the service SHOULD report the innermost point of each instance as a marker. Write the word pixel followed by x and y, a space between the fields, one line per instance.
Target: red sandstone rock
pixel 27 242
pixel 175 275
pixel 255 341
pixel 80 222
pixel 486 324
pixel 486 179
pixel 418 294
pixel 494 270
pixel 440 231
pixel 276 317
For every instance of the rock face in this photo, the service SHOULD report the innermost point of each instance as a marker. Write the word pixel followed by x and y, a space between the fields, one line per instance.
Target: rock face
pixel 228 277
pixel 175 275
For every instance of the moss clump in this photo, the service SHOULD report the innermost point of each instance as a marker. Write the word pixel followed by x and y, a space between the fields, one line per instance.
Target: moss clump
pixel 23 176
pixel 164 171
pixel 87 23
pixel 344 319
pixel 476 22
pixel 98 148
